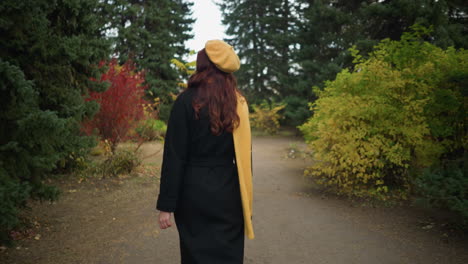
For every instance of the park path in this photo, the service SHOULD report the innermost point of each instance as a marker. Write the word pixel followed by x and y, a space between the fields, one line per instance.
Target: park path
pixel 294 223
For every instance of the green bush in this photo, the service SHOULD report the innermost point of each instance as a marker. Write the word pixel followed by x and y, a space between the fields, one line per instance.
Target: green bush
pixel 152 129
pixel 401 108
pixel 121 162
pixel 266 117
pixel 445 187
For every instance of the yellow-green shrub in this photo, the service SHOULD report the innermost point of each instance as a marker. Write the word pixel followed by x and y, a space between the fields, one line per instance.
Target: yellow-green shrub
pixel 266 116
pixel 151 129
pixel 372 124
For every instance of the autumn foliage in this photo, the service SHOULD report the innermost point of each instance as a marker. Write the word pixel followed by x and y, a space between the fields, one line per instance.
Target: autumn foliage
pixel 266 116
pixel 400 110
pixel 121 105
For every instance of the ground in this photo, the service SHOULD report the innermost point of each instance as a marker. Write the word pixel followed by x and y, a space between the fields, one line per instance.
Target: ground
pixel 114 221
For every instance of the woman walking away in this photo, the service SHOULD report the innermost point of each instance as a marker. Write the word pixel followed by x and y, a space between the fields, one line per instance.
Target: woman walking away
pixel 206 175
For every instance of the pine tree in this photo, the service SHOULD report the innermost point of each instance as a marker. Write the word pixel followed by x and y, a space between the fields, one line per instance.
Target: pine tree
pixel 50 49
pixel 248 27
pixel 330 27
pixel 281 38
pixel 286 47
pixel 265 35
pixel 151 33
pixel 30 140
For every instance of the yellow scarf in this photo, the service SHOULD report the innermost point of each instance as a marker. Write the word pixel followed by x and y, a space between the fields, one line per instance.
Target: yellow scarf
pixel 243 148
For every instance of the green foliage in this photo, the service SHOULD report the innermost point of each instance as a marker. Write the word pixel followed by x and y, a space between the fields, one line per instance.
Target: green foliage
pixel 31 141
pixel 50 50
pixel 266 117
pixel 372 124
pixel 165 111
pixel 184 69
pixel 262 32
pixel 296 110
pixel 57 45
pixel 445 187
pixel 287 47
pixel 152 129
pixel 121 162
pixel 151 33
pixel 13 195
pixel 330 27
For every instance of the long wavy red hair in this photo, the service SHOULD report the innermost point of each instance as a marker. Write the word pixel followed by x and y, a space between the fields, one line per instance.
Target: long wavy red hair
pixel 216 90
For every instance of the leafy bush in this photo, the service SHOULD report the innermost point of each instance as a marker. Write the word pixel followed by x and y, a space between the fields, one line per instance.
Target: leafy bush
pixel 372 124
pixel 117 163
pixel 444 187
pixel 152 129
pixel 120 162
pixel 121 105
pixel 266 116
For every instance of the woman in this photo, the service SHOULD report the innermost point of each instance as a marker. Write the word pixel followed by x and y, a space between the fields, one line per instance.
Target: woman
pixel 206 176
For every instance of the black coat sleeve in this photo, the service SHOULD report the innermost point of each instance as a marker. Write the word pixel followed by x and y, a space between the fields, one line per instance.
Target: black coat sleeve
pixel 176 148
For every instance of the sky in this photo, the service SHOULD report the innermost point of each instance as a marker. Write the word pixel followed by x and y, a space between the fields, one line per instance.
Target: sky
pixel 207 25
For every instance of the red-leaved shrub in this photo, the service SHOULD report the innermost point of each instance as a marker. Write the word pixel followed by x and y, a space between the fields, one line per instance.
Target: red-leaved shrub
pixel 121 105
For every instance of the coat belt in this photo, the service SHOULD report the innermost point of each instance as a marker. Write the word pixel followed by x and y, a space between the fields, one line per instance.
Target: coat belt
pixel 211 161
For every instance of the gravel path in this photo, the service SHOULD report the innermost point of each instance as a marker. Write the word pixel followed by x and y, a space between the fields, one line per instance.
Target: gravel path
pixel 114 221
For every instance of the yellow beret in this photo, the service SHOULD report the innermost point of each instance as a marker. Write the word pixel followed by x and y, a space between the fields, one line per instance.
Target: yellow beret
pixel 222 55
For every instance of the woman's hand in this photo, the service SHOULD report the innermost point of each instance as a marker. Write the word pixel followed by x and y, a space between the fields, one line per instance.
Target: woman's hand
pixel 164 219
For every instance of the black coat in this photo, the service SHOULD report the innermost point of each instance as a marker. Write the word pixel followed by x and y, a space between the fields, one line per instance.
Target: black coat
pixel 199 183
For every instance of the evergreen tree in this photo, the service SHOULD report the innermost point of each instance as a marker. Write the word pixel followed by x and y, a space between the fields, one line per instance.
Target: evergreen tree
pixel 29 142
pixel 330 27
pixel 151 33
pixel 281 39
pixel 286 47
pixel 265 33
pixel 50 49
pixel 243 19
pixel 261 31
pixel 326 33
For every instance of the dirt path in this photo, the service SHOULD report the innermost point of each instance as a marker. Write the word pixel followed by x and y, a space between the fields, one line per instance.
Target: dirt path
pixel 114 221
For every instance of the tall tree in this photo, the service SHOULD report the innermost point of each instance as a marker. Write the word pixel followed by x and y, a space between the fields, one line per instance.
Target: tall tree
pixel 49 51
pixel 330 27
pixel 262 32
pixel 286 47
pixel 151 33
pixel 245 20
